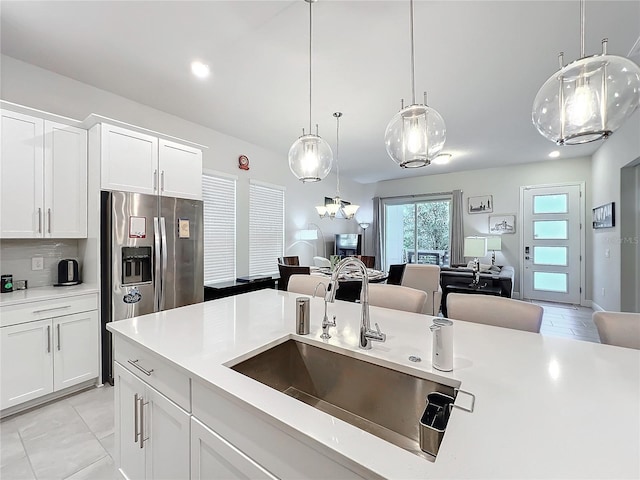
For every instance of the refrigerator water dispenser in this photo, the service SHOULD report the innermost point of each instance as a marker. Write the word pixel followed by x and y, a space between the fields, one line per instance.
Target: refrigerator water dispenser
pixel 136 265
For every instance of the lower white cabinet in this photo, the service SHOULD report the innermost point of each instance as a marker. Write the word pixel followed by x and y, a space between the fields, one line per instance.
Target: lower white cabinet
pixel 26 362
pixel 152 432
pixel 45 356
pixel 212 457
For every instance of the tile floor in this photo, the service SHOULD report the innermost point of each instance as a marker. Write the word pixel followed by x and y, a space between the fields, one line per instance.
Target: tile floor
pixel 73 438
pixel 569 321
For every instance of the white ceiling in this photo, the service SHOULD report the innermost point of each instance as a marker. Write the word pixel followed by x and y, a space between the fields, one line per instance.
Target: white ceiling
pixel 481 63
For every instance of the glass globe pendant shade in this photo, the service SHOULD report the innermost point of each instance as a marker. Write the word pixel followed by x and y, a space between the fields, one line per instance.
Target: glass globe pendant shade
pixel 414 136
pixel 310 158
pixel 587 100
pixel 334 207
pixel 350 211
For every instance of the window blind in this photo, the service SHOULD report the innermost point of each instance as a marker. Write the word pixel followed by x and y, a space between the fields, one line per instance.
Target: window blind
pixel 266 228
pixel 219 211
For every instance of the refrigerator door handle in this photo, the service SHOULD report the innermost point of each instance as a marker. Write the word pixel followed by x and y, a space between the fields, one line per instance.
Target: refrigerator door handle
pixel 157 277
pixel 163 230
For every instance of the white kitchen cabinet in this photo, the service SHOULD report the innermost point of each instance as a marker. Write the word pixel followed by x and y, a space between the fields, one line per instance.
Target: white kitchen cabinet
pixel 76 349
pixel 43 178
pixel 26 362
pixel 152 432
pixel 129 160
pixel 136 162
pixel 47 346
pixel 213 457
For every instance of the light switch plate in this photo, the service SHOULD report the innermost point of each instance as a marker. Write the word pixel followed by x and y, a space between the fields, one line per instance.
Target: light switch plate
pixel 37 263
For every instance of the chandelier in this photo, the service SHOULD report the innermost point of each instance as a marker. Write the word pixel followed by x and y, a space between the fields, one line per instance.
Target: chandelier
pixel 417 133
pixel 310 157
pixel 337 205
pixel 588 99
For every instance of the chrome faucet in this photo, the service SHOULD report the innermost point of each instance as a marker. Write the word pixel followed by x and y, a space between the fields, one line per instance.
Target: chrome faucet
pixel 366 333
pixel 326 324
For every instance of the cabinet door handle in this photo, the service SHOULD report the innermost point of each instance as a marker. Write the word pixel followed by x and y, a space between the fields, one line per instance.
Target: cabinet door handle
pixel 136 418
pixel 162 181
pixel 48 220
pixel 48 338
pixel 142 437
pixel 155 179
pixel 39 220
pixel 143 370
pixel 58 331
pixel 50 309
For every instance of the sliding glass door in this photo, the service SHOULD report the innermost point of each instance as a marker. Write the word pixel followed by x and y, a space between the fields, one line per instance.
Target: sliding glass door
pixel 417 231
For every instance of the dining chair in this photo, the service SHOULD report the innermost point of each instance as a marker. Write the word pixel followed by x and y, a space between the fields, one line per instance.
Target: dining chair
pixel 426 278
pixel 618 328
pixel 397 297
pixel 287 270
pixel 395 274
pixel 322 262
pixel 368 260
pixel 294 260
pixel 497 311
pixel 307 284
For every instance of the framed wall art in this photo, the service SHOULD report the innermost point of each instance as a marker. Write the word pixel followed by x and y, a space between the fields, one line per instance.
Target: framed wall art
pixel 481 204
pixel 502 224
pixel 604 216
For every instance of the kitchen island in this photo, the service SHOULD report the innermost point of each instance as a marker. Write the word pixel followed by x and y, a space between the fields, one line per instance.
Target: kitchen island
pixel 545 407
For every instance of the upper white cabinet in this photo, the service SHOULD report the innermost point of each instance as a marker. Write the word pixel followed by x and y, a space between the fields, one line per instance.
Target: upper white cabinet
pixel 43 178
pixel 136 162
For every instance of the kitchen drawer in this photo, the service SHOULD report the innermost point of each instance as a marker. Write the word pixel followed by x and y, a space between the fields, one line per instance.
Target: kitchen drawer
pixel 33 311
pixel 155 371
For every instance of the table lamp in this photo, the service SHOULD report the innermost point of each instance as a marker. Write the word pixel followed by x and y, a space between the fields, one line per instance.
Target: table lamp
pixel 475 247
pixel 493 244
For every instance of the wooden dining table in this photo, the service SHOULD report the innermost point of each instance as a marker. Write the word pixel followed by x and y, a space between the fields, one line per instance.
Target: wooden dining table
pixel 350 281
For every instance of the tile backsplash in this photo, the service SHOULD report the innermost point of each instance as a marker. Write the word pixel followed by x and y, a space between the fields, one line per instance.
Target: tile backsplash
pixel 16 255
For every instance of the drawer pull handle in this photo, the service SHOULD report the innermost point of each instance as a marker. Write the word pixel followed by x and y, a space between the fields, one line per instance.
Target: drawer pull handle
pixel 51 309
pixel 143 370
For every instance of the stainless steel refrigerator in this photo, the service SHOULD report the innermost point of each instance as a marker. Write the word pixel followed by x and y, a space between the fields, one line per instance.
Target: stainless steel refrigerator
pixel 151 258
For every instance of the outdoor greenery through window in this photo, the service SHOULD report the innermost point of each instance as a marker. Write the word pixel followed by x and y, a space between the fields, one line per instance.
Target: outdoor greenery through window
pixel 417 232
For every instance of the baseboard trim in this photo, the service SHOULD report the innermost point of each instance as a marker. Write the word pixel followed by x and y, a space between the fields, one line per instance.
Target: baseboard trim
pixel 596 307
pixel 586 303
pixel 516 295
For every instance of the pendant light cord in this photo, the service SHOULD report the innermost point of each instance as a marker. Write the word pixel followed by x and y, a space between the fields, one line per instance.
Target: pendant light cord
pixel 582 17
pixel 413 67
pixel 310 37
pixel 337 115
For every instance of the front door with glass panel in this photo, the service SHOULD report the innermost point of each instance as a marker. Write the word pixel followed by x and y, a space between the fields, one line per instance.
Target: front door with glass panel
pixel 552 243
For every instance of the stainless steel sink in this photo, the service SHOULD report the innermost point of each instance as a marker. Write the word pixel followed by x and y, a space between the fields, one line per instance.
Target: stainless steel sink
pixel 381 401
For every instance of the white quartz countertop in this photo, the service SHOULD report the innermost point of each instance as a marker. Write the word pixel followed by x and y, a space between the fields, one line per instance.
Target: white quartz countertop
pixel 46 293
pixel 545 407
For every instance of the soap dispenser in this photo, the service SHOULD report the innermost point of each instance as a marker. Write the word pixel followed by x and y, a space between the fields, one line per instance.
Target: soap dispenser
pixel 442 352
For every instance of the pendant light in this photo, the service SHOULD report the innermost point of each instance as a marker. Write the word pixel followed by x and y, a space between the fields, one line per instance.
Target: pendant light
pixel 417 133
pixel 332 209
pixel 588 99
pixel 310 157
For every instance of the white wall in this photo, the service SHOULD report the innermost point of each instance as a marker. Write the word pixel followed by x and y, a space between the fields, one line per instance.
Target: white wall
pixel 504 184
pixel 35 87
pixel 620 150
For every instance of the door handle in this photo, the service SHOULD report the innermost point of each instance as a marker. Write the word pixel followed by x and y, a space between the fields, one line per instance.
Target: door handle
pixel 58 329
pixel 39 220
pixel 157 280
pixel 48 220
pixel 162 181
pixel 155 180
pixel 136 418
pixel 163 230
pixel 48 338
pixel 142 437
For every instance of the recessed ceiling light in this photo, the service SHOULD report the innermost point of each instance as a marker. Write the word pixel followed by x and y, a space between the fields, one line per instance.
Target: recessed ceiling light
pixel 554 154
pixel 199 69
pixel 441 159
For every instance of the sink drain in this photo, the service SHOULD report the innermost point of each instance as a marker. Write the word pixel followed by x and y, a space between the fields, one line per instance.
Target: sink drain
pixel 414 358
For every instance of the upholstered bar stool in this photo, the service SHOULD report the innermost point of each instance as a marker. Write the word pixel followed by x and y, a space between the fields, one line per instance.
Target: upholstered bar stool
pixel 618 328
